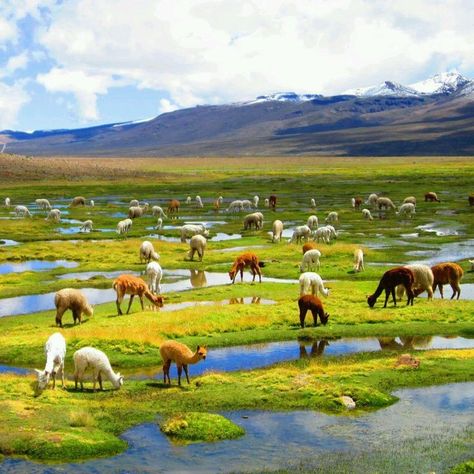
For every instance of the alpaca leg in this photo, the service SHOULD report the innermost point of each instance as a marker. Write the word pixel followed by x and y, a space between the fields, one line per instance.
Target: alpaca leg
pixel 456 290
pixel 59 316
pixel 166 371
pixel 99 377
pixel 440 286
pixel 394 297
pixel 62 373
pixel 259 274
pixel 141 301
pixel 387 294
pixel 94 380
pixel 185 367
pixel 315 316
pixel 429 290
pixel 302 316
pixel 54 379
pixel 180 371
pixel 117 302
pixel 241 274
pixel 130 303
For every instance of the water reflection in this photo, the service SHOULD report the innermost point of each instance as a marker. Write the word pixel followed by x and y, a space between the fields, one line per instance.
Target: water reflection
pixel 316 350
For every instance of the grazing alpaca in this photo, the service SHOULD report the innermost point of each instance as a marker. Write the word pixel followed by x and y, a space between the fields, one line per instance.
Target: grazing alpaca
pixel 357 202
pixel 218 202
pixel 358 260
pixel 431 197
pixel 314 304
pixel 247 259
pixel 389 281
pixel 173 207
pixel 55 351
pixel 73 299
pixel 423 281
pixel 445 273
pixel 172 351
pixel 133 286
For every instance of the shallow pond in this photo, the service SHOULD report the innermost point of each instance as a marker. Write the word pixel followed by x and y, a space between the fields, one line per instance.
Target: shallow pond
pixel 441 229
pixel 186 280
pixel 8 242
pixel 88 275
pixel 450 252
pixel 35 266
pixel 282 440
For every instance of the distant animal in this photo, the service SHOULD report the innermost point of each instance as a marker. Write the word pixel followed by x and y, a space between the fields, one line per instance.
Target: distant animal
pixel 367 214
pixel 244 260
pixel 7 202
pixel 199 201
pixel 255 219
pixel 312 203
pixel 22 211
pixel 410 199
pixel 470 200
pixel 301 232
pixel 272 201
pixel 173 207
pixel 124 226
pixel 54 215
pixel 189 230
pixel 315 305
pixel 154 273
pixel 55 351
pixel 267 202
pixel 357 202
pixel 472 265
pixel 236 206
pixel 385 203
pixel 147 252
pixel 445 273
pixel 332 217
pixel 407 209
pixel 277 230
pixel 312 222
pixel 158 211
pixel 189 200
pixel 389 281
pixel 358 260
pixel 431 197
pixel 137 211
pixel 43 204
pixel 159 223
pixel 312 283
pixel 372 200
pixel 246 204
pixel 182 356
pixel 308 246
pixel 310 260
pixel 73 299
pixel 218 203
pixel 133 286
pixel 134 203
pixel 197 244
pixel 78 201
pixel 256 199
pixel 92 358
pixel 92 204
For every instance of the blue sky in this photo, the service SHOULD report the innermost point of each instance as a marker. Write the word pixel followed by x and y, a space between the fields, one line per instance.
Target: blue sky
pixel 75 63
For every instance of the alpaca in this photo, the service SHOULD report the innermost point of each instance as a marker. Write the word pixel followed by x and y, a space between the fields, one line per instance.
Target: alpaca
pixel 470 200
pixel 277 230
pixel 173 207
pixel 272 201
pixel 358 260
pixel 445 273
pixel 172 351
pixel 308 246
pixel 312 283
pixel 389 281
pixel 55 351
pixel 73 299
pixel 357 202
pixel 247 259
pixel 423 281
pixel 314 304
pixel 78 201
pixel 431 197
pixel 133 286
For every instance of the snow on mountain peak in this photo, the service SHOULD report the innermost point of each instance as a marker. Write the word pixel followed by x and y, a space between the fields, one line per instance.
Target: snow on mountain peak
pixel 443 83
pixel 388 88
pixel 283 97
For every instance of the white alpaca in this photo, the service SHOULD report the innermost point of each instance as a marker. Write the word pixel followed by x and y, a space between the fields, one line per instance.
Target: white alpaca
pixel 313 203
pixel 332 217
pixel 277 230
pixel 92 203
pixel 123 227
pixel 199 201
pixel 256 199
pixel 134 203
pixel 372 200
pixel 407 209
pixel 411 199
pixel 423 281
pixel 158 211
pixel 55 351
pixel 236 206
pixel 188 200
pixel 197 244
pixel 301 232
pixel 385 203
pixel 159 224
pixel 54 215
pixel 92 358
pixel 154 273
pixel 188 230
pixel 358 260
pixel 22 211
pixel 367 214
pixel 310 260
pixel 312 222
pixel 267 202
pixel 7 202
pixel 246 204
pixel 86 226
pixel 353 203
pixel 43 204
pixel 312 283
pixel 147 252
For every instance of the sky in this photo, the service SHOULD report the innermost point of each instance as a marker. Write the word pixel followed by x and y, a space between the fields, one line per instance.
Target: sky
pixel 77 63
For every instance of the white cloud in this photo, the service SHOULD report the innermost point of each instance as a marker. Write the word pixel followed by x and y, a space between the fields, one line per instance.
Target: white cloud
pixel 15 63
pixel 12 99
pixel 167 106
pixel 212 51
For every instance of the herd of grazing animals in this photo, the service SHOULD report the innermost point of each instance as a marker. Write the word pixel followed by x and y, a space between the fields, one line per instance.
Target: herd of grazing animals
pixel 410 279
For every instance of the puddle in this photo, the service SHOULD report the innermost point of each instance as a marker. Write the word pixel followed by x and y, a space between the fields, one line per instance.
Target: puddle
pixel 88 275
pixel 164 238
pixel 305 441
pixel 241 249
pixel 8 242
pixel 188 279
pixel 450 252
pixel 7 369
pixel 35 266
pixel 413 235
pixel 221 236
pixel 192 304
pixel 440 230
pixel 253 356
pixel 467 292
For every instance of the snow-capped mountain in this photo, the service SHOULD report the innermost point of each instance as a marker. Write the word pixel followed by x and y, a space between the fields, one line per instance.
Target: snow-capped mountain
pixel 283 97
pixel 388 88
pixel 444 83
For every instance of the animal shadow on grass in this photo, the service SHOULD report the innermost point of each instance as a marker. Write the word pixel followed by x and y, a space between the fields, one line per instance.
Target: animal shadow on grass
pixel 165 385
pixel 71 325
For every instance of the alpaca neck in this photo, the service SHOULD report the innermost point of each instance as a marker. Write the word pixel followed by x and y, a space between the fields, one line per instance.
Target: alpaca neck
pixel 379 290
pixel 191 359
pixel 149 296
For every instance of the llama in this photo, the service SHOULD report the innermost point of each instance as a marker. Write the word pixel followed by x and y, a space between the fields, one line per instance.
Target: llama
pixel 312 283
pixel 358 260
pixel 431 197
pixel 154 273
pixel 445 273
pixel 182 355
pixel 314 304
pixel 90 357
pixel 389 281
pixel 73 299
pixel 133 286
pixel 197 244
pixel 310 260
pixel 173 207
pixel 147 252
pixel 55 351
pixel 247 259
pixel 277 230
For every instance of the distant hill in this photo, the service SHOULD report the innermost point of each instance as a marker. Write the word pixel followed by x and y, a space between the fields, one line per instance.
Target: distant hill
pixel 432 117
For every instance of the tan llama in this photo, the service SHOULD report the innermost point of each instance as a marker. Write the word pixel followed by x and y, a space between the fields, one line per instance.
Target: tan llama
pixel 133 286
pixel 182 355
pixel 247 259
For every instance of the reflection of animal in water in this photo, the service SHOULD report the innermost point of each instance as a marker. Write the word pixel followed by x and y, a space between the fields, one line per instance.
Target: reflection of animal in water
pixel 407 342
pixel 241 300
pixel 317 349
pixel 198 278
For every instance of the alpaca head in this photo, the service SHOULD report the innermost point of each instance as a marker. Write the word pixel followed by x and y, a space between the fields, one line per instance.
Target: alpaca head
pixel 232 274
pixel 42 378
pixel 201 351
pixel 371 300
pixel 118 381
pixel 324 319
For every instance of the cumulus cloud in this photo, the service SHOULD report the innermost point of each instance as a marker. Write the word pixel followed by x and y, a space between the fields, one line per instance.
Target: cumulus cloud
pixel 12 99
pixel 214 51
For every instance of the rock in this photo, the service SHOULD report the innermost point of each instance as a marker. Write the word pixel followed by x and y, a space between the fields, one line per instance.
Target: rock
pixel 407 359
pixel 348 402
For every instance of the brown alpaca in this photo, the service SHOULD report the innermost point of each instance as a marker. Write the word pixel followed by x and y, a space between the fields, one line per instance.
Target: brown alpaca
pixel 471 200
pixel 357 202
pixel 389 281
pixel 314 304
pixel 133 286
pixel 445 273
pixel 172 351
pixel 247 259
pixel 309 246
pixel 173 206
pixel 272 202
pixel 431 197
pixel 78 201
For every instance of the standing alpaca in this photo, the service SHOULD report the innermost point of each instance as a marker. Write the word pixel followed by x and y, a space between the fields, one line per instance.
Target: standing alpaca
pixel 423 281
pixel 197 244
pixel 312 284
pixel 73 299
pixel 272 201
pixel 445 273
pixel 78 201
pixel 308 246
pixel 247 259
pixel 154 273
pixel 147 252
pixel 389 281
pixel 55 351
pixel 217 203
pixel 310 260
pixel 172 351
pixel 133 286
pixel 173 207
pixel 315 305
